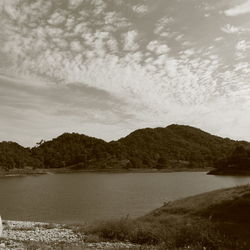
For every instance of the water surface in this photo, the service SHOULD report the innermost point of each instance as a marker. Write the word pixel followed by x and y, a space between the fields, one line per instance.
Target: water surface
pixel 86 197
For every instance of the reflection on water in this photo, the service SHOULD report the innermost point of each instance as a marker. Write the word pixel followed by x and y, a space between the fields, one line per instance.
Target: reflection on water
pixel 75 198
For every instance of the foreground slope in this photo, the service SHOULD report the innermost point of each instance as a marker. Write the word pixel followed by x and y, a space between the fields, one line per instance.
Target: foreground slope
pixel 226 211
pixel 217 220
pixel 224 204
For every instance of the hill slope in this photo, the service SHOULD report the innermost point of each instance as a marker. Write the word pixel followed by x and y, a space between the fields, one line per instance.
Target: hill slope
pixel 206 204
pixel 216 220
pixel 174 146
pixel 12 155
pixel 227 210
pixel 238 162
pixel 70 149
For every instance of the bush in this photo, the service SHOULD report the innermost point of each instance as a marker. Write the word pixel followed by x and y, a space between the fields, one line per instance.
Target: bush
pixel 143 233
pixel 113 229
pixel 199 235
pixel 175 233
pixel 126 229
pixel 193 234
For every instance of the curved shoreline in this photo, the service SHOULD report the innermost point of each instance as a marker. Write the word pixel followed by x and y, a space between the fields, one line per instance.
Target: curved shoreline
pixel 203 212
pixel 22 173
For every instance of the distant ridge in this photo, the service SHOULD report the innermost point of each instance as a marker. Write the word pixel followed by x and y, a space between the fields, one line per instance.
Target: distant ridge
pixel 175 146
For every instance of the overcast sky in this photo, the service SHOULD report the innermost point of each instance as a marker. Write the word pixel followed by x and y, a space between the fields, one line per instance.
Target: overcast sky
pixel 107 67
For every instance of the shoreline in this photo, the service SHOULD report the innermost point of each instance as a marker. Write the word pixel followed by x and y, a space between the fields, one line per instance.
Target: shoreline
pixel 229 172
pixel 23 173
pixel 197 209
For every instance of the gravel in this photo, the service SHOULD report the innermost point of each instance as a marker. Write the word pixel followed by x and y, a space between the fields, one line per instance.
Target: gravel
pixel 37 235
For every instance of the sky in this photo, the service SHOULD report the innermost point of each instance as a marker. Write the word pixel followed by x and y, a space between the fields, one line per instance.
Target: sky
pixel 105 68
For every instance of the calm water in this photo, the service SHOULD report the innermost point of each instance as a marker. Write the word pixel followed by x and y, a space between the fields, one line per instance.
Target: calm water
pixel 75 198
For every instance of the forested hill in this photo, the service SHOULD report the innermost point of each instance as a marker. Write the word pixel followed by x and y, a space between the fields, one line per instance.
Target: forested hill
pixel 12 155
pixel 238 162
pixel 184 144
pixel 170 147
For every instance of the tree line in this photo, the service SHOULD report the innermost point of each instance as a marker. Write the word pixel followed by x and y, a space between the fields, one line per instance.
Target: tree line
pixel 170 147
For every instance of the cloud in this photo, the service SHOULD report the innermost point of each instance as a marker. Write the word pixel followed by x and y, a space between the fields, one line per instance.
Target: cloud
pixel 73 4
pixel 130 42
pixel 115 20
pixel 163 24
pixel 230 29
pixel 218 39
pixel 51 104
pixel 76 46
pixel 243 67
pixel 10 8
pixel 98 63
pixel 241 49
pixel 72 95
pixel 157 47
pixel 242 45
pixel 239 9
pixel 57 18
pixel 140 9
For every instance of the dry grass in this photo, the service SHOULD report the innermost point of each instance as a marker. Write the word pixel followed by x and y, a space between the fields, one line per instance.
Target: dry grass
pixel 125 229
pixel 195 204
pixel 218 220
pixel 189 222
pixel 180 234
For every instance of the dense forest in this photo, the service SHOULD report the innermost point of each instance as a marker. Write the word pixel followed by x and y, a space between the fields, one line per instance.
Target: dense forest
pixel 237 162
pixel 170 147
pixel 12 155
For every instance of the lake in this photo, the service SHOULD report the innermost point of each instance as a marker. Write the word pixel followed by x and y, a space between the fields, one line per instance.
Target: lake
pixel 86 197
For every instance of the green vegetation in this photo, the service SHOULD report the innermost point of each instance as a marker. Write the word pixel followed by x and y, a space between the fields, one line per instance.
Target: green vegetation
pixel 214 220
pixel 172 147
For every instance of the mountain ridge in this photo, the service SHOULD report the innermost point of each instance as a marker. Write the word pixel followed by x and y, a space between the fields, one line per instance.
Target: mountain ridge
pixel 173 146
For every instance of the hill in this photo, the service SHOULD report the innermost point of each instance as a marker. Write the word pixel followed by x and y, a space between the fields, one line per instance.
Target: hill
pixel 172 147
pixel 225 211
pixel 70 150
pixel 238 162
pixel 222 204
pixel 13 155
pixel 175 145
pixel 216 220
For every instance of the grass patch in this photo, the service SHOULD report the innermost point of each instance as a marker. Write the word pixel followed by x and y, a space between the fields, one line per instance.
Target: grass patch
pixel 236 210
pixel 182 234
pixel 218 220
pixel 125 229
